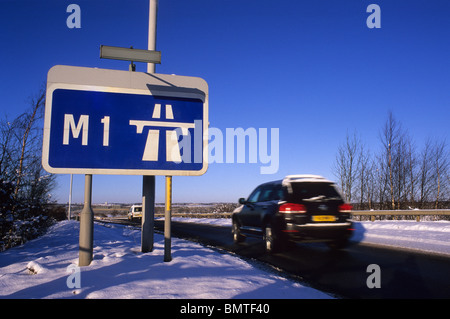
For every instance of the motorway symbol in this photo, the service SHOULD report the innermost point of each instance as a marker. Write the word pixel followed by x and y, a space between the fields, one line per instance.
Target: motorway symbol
pixel 152 143
pixel 119 122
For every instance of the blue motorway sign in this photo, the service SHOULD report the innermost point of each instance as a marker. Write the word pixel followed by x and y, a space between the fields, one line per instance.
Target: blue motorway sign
pixel 119 122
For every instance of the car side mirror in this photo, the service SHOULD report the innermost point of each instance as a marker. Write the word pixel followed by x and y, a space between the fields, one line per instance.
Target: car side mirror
pixel 242 201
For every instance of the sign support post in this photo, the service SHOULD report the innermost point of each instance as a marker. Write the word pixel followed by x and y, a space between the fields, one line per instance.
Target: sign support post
pixel 148 213
pixel 167 221
pixel 69 215
pixel 86 248
pixel 148 182
pixel 153 7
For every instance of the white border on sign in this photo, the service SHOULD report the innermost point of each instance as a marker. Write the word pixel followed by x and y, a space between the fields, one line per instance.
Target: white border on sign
pixel 59 73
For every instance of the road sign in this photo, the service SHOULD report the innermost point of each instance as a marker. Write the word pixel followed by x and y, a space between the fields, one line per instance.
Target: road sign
pixel 100 121
pixel 128 54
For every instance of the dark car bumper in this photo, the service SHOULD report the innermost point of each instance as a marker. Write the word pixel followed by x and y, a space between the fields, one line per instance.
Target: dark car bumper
pixel 318 231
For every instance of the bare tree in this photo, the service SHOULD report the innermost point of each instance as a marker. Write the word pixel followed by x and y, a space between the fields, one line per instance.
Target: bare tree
pixel 6 134
pixel 20 159
pixel 402 165
pixel 397 177
pixel 440 169
pixel 371 183
pixel 345 168
pixel 26 122
pixel 425 174
pixel 364 177
pixel 394 141
pixel 412 163
pixel 382 182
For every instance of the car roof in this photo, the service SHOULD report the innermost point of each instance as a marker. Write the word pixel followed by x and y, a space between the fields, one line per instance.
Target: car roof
pixel 278 182
pixel 307 178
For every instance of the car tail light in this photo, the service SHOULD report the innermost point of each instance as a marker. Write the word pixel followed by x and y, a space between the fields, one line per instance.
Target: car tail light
pixel 345 208
pixel 291 208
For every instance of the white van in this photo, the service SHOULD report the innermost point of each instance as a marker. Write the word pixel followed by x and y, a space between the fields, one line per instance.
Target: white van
pixel 135 212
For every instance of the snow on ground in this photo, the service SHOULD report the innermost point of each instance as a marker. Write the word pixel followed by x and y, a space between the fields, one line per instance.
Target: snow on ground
pixel 43 268
pixel 431 237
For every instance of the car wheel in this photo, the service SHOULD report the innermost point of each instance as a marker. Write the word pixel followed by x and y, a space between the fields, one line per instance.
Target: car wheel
pixel 271 243
pixel 236 231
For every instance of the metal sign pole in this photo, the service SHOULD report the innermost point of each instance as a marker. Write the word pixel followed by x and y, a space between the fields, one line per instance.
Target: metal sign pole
pixel 86 244
pixel 69 217
pixel 153 9
pixel 148 182
pixel 167 221
pixel 148 213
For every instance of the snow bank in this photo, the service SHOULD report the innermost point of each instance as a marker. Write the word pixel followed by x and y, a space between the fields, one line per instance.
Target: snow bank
pixel 425 236
pixel 42 269
pixel 208 221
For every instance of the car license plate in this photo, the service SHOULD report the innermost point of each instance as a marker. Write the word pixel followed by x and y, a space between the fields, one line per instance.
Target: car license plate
pixel 323 218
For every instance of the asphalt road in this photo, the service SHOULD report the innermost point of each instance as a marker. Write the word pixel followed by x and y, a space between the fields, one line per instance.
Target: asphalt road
pixel 404 273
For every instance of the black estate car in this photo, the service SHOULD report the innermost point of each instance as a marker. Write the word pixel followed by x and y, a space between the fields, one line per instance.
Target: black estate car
pixel 299 208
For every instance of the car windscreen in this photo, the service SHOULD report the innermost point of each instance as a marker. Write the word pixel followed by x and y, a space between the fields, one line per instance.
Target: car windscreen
pixel 314 192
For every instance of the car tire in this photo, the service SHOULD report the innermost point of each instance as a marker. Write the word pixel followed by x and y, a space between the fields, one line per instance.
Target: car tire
pixel 236 231
pixel 271 242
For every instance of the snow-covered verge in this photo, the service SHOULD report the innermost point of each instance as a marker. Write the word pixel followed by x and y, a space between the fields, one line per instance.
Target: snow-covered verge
pixel 427 236
pixel 44 268
pixel 431 237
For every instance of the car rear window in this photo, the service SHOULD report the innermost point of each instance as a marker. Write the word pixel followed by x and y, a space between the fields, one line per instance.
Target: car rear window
pixel 313 191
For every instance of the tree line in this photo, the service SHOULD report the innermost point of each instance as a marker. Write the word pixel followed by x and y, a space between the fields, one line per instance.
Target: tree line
pixel 24 185
pixel 399 175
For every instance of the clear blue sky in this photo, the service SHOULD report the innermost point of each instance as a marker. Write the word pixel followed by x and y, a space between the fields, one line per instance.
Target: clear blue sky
pixel 313 69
